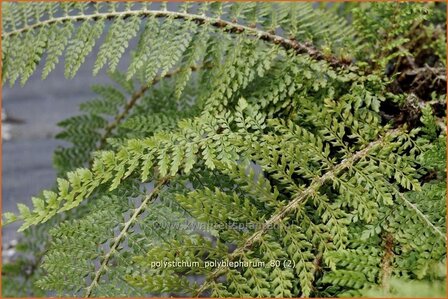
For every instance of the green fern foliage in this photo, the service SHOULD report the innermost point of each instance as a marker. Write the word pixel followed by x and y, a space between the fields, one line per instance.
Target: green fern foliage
pixel 52 32
pixel 248 149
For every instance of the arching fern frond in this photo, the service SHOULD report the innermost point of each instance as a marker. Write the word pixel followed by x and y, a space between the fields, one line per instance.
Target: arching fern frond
pixel 51 29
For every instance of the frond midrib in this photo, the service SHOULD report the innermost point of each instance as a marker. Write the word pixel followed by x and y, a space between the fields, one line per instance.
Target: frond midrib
pixel 228 26
pixel 312 188
pixel 121 236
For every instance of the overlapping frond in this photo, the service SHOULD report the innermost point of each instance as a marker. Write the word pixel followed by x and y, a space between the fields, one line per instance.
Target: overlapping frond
pixel 52 30
pixel 247 164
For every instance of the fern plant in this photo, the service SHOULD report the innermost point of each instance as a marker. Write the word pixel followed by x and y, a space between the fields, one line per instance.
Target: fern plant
pixel 249 149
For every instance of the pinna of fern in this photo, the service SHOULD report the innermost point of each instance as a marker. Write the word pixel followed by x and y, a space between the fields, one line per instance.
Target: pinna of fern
pixel 281 154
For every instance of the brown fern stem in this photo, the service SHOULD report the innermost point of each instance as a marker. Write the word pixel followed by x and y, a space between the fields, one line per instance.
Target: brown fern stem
pixel 227 26
pixel 118 119
pixel 386 261
pixel 317 268
pixel 135 97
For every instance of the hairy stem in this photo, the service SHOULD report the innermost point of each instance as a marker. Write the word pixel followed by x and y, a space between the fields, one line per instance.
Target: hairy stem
pixel 420 214
pixel 135 97
pixel 227 26
pixel 386 261
pixel 119 118
pixel 113 249
pixel 317 267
